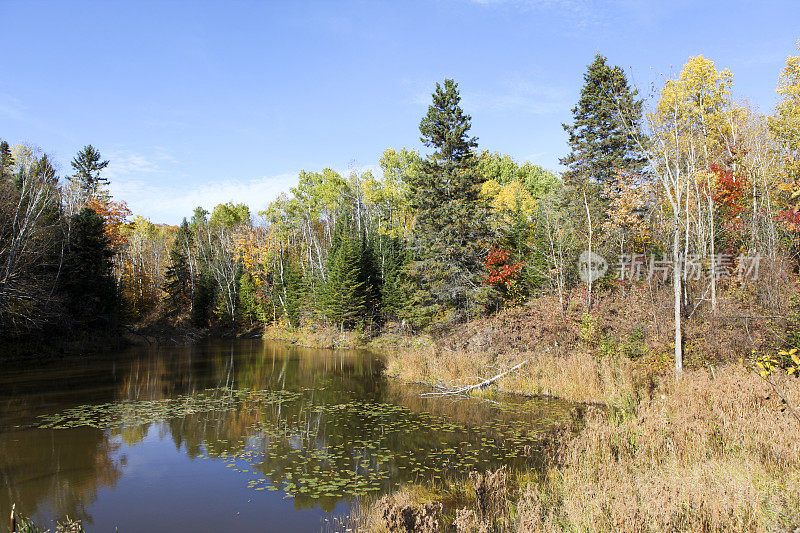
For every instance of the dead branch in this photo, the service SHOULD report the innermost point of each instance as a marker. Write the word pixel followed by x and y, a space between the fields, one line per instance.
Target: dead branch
pixel 449 390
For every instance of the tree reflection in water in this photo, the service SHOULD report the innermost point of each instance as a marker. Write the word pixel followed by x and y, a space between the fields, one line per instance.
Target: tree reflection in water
pixel 344 431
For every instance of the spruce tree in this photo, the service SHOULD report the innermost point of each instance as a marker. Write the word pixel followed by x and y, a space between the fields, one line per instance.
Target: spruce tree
pixel 451 235
pixel 248 308
pixel 394 259
pixel 291 290
pixel 606 125
pixel 341 297
pixel 6 162
pixel 369 276
pixel 87 165
pixel 204 300
pixel 178 277
pixel 86 278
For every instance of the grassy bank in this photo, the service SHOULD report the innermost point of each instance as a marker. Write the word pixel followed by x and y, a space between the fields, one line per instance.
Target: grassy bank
pixel 702 453
pixel 316 337
pixel 699 454
pixel 710 451
pixel 326 337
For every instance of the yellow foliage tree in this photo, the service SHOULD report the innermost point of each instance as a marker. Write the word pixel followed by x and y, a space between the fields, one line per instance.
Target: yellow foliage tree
pixel 785 127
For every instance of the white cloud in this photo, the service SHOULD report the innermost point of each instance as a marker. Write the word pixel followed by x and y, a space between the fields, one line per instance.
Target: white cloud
pixel 519 96
pixel 16 110
pixel 125 163
pixel 170 203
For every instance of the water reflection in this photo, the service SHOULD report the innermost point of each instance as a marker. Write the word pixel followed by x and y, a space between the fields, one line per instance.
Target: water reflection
pixel 340 431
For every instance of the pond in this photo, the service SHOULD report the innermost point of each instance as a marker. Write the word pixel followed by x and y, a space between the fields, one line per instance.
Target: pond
pixel 244 435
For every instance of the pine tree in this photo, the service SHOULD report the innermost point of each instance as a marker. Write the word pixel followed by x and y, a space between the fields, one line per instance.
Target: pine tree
pixel 86 275
pixel 204 300
pixel 87 165
pixel 178 277
pixel 369 276
pixel 6 162
pixel 248 308
pixel 394 261
pixel 607 123
pixel 451 234
pixel 341 298
pixel 292 290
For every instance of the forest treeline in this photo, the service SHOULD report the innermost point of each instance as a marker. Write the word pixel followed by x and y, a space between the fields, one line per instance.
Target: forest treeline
pixel 697 182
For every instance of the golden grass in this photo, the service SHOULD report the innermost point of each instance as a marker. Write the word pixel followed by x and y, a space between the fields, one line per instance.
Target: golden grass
pixel 700 455
pixel 694 454
pixel 577 376
pixel 315 337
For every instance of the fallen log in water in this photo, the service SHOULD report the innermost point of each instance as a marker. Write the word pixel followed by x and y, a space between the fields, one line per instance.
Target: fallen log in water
pixel 447 390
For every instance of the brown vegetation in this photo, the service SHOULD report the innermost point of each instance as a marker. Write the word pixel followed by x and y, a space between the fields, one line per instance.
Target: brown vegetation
pixel 709 451
pixel 701 454
pixel 697 454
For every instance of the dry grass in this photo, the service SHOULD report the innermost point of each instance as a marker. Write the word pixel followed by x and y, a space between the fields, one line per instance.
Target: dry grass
pixel 696 454
pixel 702 453
pixel 316 337
pixel 706 455
pixel 576 376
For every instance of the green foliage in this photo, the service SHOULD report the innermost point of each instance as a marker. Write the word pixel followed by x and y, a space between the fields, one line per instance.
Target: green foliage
pixel 343 295
pixel 228 215
pixel 86 274
pixel 449 241
pixel 205 296
pixel 178 277
pixel 589 332
pixel 26 525
pixel 793 324
pixel 634 348
pixel 199 218
pixel 538 181
pixel 292 290
pixel 393 297
pixel 606 130
pixel 6 161
pixel 248 308
pixel 87 166
pixel 445 127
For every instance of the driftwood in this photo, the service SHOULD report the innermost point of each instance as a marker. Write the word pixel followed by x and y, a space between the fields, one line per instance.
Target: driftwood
pixel 462 390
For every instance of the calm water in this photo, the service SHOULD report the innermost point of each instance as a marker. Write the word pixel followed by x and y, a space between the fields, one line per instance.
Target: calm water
pixel 235 435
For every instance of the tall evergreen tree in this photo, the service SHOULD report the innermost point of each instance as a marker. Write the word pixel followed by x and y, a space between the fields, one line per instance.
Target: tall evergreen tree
pixel 88 165
pixel 394 259
pixel 451 235
pixel 205 295
pixel 606 124
pixel 6 161
pixel 178 277
pixel 248 308
pixel 342 296
pixel 291 290
pixel 86 276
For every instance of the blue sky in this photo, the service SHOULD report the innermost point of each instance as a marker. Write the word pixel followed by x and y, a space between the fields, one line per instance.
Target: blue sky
pixel 197 103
